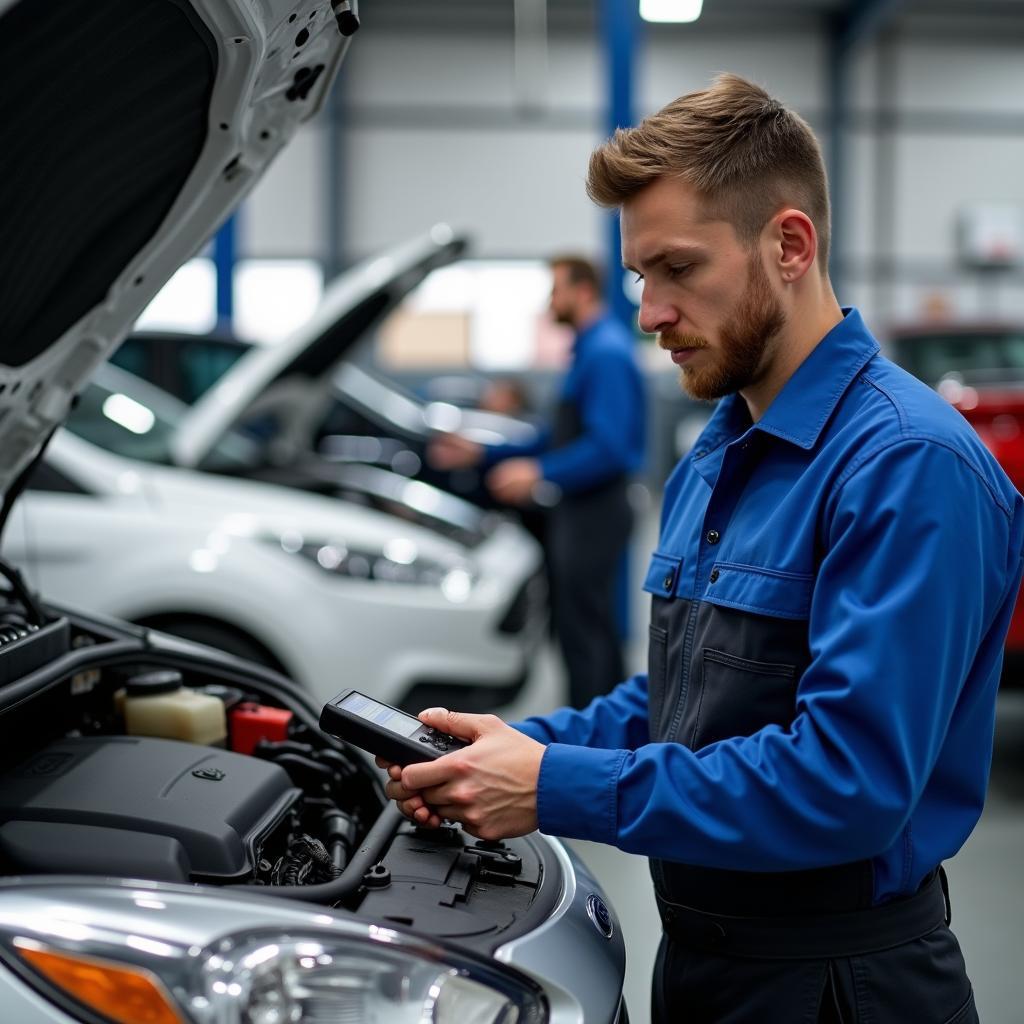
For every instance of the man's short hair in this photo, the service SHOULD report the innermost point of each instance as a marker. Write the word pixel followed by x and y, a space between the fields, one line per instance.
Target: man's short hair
pixel 746 154
pixel 580 269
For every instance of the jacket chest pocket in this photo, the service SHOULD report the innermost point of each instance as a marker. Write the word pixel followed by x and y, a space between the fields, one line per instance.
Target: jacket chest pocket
pixel 749 650
pixel 737 696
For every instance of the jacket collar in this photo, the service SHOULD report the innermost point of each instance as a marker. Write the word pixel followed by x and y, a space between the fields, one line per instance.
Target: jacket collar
pixel 807 400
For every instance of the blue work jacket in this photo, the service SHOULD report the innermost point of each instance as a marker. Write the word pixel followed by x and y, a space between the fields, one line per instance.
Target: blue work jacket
pixel 863 530
pixel 605 390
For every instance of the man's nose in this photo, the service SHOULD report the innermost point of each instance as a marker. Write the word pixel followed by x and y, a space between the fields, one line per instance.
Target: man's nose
pixel 655 316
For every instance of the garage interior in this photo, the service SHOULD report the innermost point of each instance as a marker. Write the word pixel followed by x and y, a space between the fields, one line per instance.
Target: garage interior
pixel 481 115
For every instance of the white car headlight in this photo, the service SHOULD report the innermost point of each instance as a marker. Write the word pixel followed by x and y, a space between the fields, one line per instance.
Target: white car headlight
pixel 279 980
pixel 124 971
pixel 398 562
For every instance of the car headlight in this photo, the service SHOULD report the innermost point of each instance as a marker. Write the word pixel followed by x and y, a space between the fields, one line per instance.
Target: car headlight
pixel 279 980
pixel 397 562
pixel 372 975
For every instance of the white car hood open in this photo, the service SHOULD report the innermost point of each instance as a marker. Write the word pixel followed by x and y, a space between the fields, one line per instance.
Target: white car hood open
pixel 132 130
pixel 355 302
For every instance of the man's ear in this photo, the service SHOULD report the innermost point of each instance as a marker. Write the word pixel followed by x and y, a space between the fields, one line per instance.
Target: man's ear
pixel 795 244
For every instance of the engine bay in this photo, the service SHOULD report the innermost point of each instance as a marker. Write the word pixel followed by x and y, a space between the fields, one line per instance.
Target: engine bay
pixel 273 805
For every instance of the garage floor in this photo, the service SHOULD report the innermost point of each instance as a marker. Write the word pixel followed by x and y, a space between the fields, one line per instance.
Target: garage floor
pixel 986 878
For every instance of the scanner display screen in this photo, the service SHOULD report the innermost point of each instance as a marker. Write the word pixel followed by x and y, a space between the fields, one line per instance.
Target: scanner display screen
pixel 380 714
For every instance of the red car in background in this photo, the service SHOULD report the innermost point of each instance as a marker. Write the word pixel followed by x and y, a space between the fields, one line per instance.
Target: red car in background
pixel 980 370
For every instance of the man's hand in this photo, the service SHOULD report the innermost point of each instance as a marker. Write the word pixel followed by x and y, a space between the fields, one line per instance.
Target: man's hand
pixel 453 451
pixel 513 480
pixel 490 786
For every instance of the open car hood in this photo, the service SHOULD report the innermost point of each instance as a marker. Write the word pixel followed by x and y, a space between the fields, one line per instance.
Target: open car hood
pixel 131 130
pixel 353 304
pixel 408 417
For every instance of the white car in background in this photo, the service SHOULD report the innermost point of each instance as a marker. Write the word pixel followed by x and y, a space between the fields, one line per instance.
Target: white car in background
pixel 406 604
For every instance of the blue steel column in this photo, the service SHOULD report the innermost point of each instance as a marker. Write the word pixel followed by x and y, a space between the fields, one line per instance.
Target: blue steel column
pixel 620 31
pixel 224 250
pixel 620 24
pixel 854 26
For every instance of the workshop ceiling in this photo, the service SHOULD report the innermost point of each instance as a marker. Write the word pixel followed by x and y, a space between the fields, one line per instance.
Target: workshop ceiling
pixel 718 15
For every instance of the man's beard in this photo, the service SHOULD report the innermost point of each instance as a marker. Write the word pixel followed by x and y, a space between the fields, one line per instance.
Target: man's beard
pixel 744 340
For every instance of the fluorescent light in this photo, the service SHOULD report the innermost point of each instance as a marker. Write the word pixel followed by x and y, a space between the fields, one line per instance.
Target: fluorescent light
pixel 670 10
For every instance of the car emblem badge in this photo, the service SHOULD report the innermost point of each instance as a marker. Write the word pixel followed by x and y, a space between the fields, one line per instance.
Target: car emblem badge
pixel 598 913
pixel 213 774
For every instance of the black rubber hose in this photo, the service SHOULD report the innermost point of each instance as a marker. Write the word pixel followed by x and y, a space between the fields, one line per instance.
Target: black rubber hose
pixel 350 880
pixel 304 771
pixel 269 749
pixel 340 831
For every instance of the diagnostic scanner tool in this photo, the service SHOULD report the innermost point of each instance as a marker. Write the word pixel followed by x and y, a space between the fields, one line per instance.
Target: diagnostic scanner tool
pixel 384 730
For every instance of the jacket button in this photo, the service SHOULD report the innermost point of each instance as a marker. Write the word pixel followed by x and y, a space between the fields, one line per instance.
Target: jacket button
pixel 713 537
pixel 714 576
pixel 668 581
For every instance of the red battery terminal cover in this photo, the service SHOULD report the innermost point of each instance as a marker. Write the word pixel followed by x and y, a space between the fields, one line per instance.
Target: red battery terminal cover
pixel 251 723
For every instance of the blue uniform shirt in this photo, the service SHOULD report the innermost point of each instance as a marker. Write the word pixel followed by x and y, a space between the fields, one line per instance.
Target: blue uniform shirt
pixel 873 512
pixel 605 385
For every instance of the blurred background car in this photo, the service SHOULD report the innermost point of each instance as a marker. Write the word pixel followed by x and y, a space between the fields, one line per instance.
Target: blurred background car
pixel 934 351
pixel 371 588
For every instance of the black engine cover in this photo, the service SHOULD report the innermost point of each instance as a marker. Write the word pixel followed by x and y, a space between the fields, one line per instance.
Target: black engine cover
pixel 140 807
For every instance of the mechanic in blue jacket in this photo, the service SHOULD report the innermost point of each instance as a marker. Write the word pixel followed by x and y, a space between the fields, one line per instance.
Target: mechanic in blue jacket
pixel 838 561
pixel 581 466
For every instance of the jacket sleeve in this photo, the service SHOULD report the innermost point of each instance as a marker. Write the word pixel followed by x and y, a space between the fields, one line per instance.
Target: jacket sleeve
pixel 618 719
pixel 495 453
pixel 894 633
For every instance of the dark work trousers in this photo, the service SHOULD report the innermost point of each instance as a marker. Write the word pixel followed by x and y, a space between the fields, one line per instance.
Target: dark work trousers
pixel 920 982
pixel 587 534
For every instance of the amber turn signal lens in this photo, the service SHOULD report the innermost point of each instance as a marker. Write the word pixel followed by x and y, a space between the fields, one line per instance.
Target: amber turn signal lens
pixel 124 994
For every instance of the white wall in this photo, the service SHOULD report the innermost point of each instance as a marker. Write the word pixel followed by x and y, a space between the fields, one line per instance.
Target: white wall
pixel 433 130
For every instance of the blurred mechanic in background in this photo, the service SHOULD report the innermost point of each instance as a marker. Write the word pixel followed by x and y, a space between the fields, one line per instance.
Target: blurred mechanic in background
pixel 580 465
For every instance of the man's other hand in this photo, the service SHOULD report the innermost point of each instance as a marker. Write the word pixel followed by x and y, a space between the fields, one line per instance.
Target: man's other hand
pixel 452 451
pixel 490 787
pixel 513 480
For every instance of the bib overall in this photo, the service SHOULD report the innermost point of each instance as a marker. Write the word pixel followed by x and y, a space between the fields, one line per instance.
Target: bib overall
pixel 801 947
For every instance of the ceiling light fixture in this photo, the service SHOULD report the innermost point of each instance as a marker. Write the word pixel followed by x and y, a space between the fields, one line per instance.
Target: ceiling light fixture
pixel 670 10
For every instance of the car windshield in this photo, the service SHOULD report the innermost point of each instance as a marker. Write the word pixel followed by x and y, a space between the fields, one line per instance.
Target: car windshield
pixel 933 356
pixel 130 418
